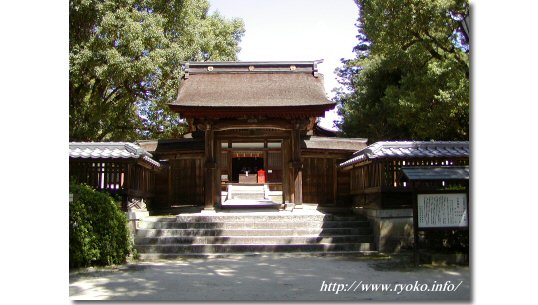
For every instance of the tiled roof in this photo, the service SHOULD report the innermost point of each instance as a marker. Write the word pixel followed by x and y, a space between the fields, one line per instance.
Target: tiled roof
pixel 397 150
pixel 437 173
pixel 109 150
pixel 333 143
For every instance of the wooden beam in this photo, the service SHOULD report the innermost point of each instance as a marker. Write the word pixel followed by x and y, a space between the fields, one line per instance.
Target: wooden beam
pixel 252 134
pixel 227 124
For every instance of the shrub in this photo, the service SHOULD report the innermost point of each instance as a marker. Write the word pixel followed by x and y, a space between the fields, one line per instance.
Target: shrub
pixel 449 241
pixel 98 233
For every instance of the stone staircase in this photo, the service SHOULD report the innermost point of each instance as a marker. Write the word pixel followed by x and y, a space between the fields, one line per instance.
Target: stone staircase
pixel 224 234
pixel 246 192
pixel 248 196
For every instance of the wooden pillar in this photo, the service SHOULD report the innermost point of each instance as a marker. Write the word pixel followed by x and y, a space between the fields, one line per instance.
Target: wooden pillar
pixel 286 170
pixel 210 167
pixel 333 165
pixel 296 166
pixel 170 185
pixel 216 173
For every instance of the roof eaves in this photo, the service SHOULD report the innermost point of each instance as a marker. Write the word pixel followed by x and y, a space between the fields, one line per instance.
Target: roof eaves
pixel 110 150
pixel 412 149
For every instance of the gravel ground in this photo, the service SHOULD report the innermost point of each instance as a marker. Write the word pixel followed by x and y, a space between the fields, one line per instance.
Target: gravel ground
pixel 271 278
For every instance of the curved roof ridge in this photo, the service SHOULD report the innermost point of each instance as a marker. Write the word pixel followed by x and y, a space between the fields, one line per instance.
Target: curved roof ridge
pixel 410 149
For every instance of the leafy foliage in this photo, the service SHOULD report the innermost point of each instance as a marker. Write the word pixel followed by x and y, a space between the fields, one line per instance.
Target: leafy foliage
pixel 98 233
pixel 125 58
pixel 410 76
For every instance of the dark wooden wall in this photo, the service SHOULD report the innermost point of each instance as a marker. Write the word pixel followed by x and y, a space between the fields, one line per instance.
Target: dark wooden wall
pixel 181 182
pixel 343 196
pixel 366 178
pixel 162 189
pixel 140 181
pixel 187 181
pixel 319 180
pixel 274 164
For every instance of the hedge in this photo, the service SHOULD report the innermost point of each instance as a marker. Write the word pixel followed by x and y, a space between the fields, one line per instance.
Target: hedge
pixel 98 233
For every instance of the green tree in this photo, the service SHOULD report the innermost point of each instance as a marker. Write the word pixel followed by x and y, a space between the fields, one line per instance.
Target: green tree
pixel 410 76
pixel 125 63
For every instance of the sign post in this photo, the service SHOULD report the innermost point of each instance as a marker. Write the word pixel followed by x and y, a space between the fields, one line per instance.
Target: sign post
pixel 439 211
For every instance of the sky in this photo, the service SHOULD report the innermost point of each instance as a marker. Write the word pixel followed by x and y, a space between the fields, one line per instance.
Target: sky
pixel 296 30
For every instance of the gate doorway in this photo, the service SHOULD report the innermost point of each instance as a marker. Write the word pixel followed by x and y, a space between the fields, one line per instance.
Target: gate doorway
pixel 246 166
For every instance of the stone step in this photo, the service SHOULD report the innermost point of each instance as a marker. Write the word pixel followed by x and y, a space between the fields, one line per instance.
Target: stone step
pixel 249 191
pixel 246 187
pixel 324 232
pixel 239 216
pixel 262 217
pixel 249 248
pixel 255 206
pixel 156 256
pixel 257 240
pixel 252 225
pixel 334 209
pixel 160 218
pixel 346 218
pixel 253 232
pixel 248 196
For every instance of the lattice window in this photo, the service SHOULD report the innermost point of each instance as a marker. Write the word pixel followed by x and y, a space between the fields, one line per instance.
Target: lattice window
pixel 274 160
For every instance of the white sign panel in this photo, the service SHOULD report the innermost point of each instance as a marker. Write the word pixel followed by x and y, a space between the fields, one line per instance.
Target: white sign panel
pixel 442 210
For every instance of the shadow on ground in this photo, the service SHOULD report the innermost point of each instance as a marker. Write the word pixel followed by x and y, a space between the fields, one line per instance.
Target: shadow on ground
pixel 261 278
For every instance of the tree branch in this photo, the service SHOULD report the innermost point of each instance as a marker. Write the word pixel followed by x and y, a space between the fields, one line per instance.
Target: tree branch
pixel 428 47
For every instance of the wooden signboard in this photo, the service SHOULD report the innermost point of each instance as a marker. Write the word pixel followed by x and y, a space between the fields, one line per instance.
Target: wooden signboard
pixel 442 210
pixel 439 211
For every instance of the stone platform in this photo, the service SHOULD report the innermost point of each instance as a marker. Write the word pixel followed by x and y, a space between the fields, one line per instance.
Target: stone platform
pixel 250 232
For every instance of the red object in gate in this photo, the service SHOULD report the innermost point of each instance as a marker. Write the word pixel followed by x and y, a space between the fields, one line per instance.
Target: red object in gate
pixel 261 176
